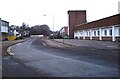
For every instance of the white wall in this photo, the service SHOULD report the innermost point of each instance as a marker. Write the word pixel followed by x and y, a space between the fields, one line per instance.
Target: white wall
pixel 117 31
pixel 87 32
pixel 107 29
pixel 4 29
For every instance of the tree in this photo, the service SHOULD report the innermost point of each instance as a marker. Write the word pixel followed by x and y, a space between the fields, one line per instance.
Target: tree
pixel 40 30
pixel 25 29
pixel 45 30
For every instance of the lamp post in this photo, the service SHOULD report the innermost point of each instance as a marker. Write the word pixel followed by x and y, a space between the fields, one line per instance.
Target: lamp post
pixel 52 23
pixel 53 26
pixel 44 15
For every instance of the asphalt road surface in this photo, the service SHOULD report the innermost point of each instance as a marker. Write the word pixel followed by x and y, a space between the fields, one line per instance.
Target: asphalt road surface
pixel 33 59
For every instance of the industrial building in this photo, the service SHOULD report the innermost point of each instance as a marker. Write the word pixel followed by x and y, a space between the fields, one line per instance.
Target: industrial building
pixel 107 29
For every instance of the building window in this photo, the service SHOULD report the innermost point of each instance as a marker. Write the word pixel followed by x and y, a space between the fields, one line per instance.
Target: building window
pixel 98 33
pixel 94 33
pixel 3 23
pixel 87 34
pixel 110 32
pixel 105 32
pixel 119 31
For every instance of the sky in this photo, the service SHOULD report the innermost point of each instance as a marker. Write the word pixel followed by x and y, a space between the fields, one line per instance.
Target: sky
pixel 53 12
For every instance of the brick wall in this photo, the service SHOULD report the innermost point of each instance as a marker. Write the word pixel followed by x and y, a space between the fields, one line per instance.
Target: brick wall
pixel 95 38
pixel 87 38
pixel 107 38
pixel 118 38
pixel 75 17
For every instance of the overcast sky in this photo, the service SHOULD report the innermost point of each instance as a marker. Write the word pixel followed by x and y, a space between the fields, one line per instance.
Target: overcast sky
pixel 32 11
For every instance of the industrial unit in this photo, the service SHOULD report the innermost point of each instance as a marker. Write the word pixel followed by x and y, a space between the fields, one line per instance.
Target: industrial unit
pixel 107 29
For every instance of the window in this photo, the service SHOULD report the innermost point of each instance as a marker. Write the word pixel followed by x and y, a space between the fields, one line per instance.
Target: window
pixel 94 33
pixel 110 32
pixel 3 23
pixel 98 33
pixel 105 32
pixel 119 31
pixel 89 33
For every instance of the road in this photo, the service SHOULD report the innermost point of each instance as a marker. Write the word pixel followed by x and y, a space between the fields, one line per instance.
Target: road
pixel 33 59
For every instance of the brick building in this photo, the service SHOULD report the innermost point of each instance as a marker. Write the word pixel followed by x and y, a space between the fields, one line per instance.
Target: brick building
pixel 75 17
pixel 104 29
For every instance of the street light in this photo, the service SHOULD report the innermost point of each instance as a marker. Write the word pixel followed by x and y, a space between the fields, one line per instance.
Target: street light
pixel 52 23
pixel 53 26
pixel 44 15
pixel 44 22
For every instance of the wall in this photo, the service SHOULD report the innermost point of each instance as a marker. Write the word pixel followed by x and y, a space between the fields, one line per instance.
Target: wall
pixel 95 34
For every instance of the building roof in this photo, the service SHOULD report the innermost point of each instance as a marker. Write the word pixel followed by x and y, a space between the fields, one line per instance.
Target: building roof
pixel 4 21
pixel 108 21
pixel 76 11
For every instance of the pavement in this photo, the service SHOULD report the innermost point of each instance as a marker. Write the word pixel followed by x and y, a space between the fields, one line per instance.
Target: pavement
pixel 101 48
pixel 61 43
pixel 56 44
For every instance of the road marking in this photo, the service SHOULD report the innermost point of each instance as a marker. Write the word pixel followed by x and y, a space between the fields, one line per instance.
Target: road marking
pixel 9 52
pixel 112 46
pixel 78 61
pixel 13 63
pixel 44 44
pixel 18 43
pixel 6 58
pixel 9 48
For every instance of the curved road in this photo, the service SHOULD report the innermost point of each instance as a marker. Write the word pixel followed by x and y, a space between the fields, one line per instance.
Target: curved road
pixel 33 59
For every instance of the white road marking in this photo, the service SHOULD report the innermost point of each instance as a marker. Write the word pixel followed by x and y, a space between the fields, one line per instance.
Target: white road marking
pixel 9 49
pixel 77 61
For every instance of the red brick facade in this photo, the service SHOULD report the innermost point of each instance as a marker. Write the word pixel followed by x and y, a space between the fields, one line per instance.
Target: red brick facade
pixel 81 38
pixel 87 38
pixel 95 38
pixel 75 18
pixel 118 38
pixel 107 38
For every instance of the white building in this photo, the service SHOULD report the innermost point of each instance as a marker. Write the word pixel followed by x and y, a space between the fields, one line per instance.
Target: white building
pixel 4 28
pixel 104 29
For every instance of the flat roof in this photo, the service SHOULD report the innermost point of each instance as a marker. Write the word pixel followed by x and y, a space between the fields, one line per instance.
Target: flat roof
pixel 76 11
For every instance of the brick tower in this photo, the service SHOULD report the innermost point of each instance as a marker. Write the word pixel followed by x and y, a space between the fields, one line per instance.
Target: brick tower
pixel 75 17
